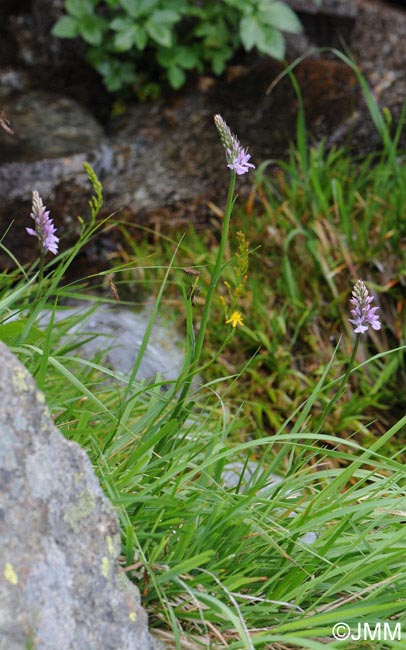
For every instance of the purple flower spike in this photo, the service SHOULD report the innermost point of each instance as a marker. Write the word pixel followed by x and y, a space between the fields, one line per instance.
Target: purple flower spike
pixel 237 157
pixel 364 314
pixel 240 164
pixel 44 227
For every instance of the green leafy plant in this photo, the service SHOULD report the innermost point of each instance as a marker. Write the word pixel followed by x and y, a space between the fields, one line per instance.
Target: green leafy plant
pixel 293 537
pixel 127 39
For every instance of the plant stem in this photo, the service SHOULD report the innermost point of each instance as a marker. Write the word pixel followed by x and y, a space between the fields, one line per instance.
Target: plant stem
pixel 41 264
pixel 329 407
pixel 218 267
pixel 216 271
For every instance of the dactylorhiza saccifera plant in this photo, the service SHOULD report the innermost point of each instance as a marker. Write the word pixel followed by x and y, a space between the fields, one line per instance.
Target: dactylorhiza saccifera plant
pixel 44 230
pixel 237 159
pixel 364 316
pixel 44 226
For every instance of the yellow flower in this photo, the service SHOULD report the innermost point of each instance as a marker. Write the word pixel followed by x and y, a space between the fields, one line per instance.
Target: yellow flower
pixel 235 319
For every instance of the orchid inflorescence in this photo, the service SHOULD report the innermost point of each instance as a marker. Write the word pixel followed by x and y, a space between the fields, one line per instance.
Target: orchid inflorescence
pixel 44 227
pixel 237 157
pixel 364 315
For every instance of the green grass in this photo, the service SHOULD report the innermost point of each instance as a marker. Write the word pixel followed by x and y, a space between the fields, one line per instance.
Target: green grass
pixel 311 236
pixel 229 566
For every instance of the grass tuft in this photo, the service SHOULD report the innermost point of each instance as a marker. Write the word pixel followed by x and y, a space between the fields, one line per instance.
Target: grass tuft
pixel 265 505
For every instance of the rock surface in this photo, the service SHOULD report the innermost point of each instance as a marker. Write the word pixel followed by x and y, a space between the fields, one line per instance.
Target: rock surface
pixel 47 125
pixel 378 45
pixel 327 23
pixel 60 586
pixel 162 161
pixel 119 335
pixel 53 136
pixel 169 155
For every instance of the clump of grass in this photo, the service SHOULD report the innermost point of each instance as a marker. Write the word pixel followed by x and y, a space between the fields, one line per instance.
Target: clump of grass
pixel 318 222
pixel 310 236
pixel 311 531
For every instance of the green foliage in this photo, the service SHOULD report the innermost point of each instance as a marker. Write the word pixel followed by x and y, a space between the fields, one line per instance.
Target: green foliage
pixel 10 333
pixel 127 39
pixel 315 533
pixel 320 221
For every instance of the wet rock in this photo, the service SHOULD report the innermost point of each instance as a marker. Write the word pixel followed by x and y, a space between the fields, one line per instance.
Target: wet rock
pixel 175 154
pixel 60 585
pixel 26 43
pixel 163 153
pixel 17 180
pixel 31 23
pixel 159 156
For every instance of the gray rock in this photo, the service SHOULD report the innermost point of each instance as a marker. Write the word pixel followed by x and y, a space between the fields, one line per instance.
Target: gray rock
pixel 53 137
pixel 47 125
pixel 118 333
pixel 381 55
pixel 31 25
pixel 18 179
pixel 60 585
pixel 326 24
pixel 167 156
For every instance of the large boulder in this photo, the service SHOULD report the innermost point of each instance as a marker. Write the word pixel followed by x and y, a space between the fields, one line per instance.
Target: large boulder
pixel 60 585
